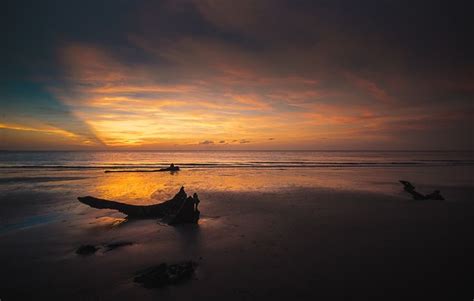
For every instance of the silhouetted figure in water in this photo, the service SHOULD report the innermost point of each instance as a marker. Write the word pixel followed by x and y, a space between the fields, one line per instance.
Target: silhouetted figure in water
pixel 408 187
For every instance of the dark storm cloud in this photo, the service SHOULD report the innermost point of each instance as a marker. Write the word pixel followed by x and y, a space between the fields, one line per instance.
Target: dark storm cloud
pixel 430 32
pixel 363 36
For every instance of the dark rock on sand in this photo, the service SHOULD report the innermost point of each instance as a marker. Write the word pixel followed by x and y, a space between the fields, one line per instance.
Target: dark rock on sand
pixel 408 187
pixel 86 250
pixel 166 274
pixel 118 244
pixel 180 209
pixel 91 249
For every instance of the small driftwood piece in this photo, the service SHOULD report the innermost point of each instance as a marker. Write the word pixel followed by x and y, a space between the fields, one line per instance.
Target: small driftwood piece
pixel 172 168
pixel 180 209
pixel 408 187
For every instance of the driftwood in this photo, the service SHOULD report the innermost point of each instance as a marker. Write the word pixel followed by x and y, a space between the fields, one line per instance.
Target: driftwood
pixel 408 187
pixel 180 209
pixel 170 168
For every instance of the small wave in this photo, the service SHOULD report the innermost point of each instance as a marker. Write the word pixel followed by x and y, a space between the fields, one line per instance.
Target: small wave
pixel 250 164
pixel 37 179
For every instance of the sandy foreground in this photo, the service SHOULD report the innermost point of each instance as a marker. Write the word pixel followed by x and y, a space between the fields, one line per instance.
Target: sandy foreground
pixel 297 243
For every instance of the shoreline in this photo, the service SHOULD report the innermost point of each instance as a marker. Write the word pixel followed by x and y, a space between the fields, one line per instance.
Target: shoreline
pixel 311 242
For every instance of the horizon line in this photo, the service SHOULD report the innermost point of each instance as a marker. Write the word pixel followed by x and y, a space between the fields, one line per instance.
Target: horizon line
pixel 244 150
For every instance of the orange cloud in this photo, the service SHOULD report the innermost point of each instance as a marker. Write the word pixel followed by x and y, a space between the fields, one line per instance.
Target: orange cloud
pixel 218 93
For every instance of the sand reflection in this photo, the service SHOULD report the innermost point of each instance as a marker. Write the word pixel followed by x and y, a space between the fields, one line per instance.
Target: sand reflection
pixel 134 188
pixel 150 188
pixel 108 221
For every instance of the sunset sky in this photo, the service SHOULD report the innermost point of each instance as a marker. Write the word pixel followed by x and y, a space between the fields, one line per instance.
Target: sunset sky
pixel 244 74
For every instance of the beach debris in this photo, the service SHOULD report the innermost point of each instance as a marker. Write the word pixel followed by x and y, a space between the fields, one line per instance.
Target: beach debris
pixel 166 274
pixel 86 250
pixel 118 244
pixel 179 210
pixel 91 249
pixel 172 168
pixel 408 187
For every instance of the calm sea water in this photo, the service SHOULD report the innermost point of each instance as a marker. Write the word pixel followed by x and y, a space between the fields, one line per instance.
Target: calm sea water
pixel 232 159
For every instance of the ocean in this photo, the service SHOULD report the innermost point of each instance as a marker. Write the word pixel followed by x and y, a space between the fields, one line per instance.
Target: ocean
pixel 84 172
pixel 231 159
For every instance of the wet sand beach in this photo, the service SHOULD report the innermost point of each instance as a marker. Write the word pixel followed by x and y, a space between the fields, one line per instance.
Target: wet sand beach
pixel 268 233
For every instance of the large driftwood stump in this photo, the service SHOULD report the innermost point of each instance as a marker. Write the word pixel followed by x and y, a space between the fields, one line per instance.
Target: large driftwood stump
pixel 180 209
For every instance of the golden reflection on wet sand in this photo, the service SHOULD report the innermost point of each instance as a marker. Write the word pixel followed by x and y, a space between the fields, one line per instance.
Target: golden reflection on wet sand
pixel 108 221
pixel 149 188
pixel 154 187
pixel 136 188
